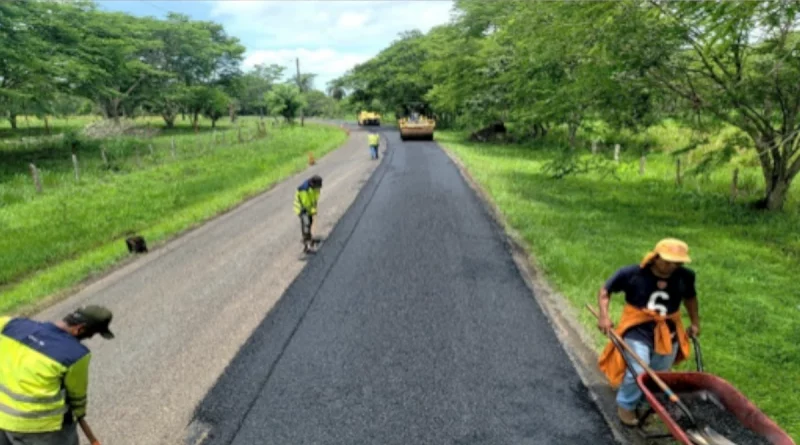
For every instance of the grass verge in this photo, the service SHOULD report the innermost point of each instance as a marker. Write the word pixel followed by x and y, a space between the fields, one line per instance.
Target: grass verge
pixel 76 228
pixel 581 228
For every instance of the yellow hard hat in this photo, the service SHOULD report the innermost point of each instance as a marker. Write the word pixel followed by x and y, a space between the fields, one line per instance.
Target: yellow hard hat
pixel 670 249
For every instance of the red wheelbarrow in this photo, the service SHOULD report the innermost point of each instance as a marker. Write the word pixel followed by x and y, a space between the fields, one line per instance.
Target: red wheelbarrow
pixel 726 408
pixel 735 420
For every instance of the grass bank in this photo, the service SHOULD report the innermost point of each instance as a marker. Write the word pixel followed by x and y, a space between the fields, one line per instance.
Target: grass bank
pixel 75 228
pixel 581 228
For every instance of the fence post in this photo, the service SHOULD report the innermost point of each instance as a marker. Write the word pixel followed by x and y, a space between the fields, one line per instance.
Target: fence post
pixel 616 153
pixel 642 162
pixel 172 147
pixel 678 171
pixel 594 147
pixel 735 185
pixel 103 155
pixel 75 164
pixel 36 181
pixel 152 152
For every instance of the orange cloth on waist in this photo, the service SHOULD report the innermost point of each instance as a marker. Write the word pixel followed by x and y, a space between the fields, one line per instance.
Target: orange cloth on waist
pixel 611 361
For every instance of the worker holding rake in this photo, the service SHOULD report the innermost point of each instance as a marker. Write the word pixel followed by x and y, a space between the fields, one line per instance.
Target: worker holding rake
pixel 651 320
pixel 305 206
pixel 44 377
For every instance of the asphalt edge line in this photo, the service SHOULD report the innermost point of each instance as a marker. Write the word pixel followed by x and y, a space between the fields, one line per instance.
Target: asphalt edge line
pixel 313 298
pixel 571 334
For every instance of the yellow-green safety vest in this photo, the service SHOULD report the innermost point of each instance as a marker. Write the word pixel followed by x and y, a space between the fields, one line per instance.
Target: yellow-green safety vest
pixel 305 199
pixel 44 376
pixel 374 139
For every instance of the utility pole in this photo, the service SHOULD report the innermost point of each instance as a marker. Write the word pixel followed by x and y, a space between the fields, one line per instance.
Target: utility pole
pixel 300 87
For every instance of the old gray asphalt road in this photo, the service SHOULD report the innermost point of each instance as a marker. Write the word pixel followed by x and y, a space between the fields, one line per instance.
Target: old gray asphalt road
pixel 183 311
pixel 411 326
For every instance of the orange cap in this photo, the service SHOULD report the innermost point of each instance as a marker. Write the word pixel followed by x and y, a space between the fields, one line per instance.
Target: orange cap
pixel 670 249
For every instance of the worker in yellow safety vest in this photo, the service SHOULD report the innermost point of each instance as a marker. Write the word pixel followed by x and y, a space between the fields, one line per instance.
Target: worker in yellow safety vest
pixel 374 140
pixel 44 376
pixel 305 206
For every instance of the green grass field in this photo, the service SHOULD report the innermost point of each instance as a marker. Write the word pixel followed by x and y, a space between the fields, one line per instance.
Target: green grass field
pixel 75 228
pixel 582 228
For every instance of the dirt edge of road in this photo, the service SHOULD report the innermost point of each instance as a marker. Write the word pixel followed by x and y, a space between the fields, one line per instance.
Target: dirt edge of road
pixel 154 249
pixel 573 336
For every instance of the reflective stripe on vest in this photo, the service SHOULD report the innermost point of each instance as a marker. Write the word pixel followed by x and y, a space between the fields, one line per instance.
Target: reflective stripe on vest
pixel 29 399
pixel 33 414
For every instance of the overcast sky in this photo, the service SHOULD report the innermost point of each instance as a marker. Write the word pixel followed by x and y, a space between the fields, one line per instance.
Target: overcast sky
pixel 329 36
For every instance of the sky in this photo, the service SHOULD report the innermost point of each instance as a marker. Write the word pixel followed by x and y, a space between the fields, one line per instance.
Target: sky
pixel 329 37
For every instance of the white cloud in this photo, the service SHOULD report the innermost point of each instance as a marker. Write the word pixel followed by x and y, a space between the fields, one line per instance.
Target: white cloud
pixel 329 37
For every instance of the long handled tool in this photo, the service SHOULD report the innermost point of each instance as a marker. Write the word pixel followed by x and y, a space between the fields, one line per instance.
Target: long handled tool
pixel 704 435
pixel 88 431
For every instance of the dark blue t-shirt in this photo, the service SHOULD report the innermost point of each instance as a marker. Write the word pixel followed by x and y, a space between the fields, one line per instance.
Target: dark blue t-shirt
pixel 645 290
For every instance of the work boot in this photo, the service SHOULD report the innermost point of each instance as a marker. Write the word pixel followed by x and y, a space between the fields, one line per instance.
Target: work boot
pixel 627 417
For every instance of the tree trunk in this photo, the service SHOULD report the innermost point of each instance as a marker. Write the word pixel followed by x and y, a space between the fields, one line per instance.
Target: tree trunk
pixel 573 132
pixel 12 118
pixel 213 123
pixel 777 174
pixel 169 120
pixel 47 125
pixel 777 189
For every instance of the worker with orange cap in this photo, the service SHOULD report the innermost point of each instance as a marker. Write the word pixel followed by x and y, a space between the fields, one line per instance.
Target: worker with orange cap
pixel 651 320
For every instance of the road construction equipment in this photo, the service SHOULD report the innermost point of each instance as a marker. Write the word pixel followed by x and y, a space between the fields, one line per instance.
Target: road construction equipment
pixel 416 127
pixel 369 118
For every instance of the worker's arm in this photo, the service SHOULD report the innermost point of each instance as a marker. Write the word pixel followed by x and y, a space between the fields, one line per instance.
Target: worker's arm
pixel 690 302
pixel 694 315
pixel 617 283
pixel 603 299
pixel 76 382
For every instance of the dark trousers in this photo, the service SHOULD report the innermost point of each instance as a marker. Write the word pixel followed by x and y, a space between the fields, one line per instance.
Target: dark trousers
pixel 67 436
pixel 305 226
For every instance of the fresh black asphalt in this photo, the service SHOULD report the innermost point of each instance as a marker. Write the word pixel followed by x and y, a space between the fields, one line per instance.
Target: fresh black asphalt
pixel 411 325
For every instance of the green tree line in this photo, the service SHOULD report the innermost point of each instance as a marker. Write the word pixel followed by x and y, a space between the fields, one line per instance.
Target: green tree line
pixel 629 64
pixel 63 58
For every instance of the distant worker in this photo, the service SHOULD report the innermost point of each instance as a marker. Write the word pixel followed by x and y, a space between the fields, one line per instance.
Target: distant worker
pixel 44 376
pixel 374 140
pixel 651 319
pixel 305 206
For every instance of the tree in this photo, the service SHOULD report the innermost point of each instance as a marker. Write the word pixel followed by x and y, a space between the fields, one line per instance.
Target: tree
pixel 285 100
pixel 194 53
pixel 254 86
pixel 735 61
pixel 394 76
pixel 319 104
pixel 36 55
pixel 336 89
pixel 216 105
pixel 114 52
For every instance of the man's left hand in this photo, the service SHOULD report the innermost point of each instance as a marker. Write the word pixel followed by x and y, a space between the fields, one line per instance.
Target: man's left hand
pixel 694 330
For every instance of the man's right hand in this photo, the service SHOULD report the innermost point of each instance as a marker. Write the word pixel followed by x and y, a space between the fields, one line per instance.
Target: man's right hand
pixel 605 325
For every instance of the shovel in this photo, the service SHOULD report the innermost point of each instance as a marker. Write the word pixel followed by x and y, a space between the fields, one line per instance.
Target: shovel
pixel 700 435
pixel 88 431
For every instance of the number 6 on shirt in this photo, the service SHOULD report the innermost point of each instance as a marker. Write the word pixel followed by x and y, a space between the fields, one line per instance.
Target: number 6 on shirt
pixel 654 303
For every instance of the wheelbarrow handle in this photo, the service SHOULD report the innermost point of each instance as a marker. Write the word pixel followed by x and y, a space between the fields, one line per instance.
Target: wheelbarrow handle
pixel 698 353
pixel 619 342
